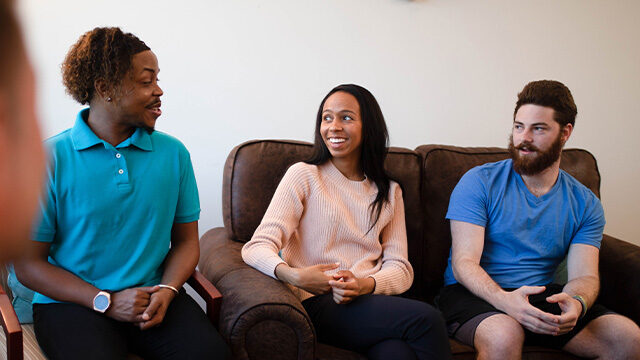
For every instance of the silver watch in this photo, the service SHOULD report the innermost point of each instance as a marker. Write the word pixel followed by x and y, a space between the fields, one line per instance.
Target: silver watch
pixel 102 301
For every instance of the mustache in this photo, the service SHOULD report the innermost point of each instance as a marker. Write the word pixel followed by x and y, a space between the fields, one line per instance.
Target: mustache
pixel 156 103
pixel 527 147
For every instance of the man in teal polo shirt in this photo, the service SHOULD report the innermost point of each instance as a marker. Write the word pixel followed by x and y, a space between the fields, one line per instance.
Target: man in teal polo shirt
pixel 118 234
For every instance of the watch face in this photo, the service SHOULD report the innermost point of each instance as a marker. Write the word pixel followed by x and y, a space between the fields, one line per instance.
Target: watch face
pixel 101 302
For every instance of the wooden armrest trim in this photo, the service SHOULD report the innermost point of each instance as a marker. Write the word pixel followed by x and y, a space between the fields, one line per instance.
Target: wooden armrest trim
pixel 209 293
pixel 11 327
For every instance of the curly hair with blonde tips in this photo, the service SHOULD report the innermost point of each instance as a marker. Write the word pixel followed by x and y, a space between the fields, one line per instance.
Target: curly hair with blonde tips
pixel 104 53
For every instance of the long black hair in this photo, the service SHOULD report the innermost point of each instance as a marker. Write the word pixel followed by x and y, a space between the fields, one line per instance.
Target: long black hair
pixel 375 143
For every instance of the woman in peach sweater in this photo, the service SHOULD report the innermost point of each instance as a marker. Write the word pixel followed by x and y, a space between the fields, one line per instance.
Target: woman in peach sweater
pixel 338 221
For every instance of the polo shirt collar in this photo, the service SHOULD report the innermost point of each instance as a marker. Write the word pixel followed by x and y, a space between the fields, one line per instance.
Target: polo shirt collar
pixel 83 137
pixel 81 134
pixel 140 139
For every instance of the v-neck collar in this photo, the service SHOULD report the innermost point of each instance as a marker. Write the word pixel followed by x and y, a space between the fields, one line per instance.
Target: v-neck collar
pixel 536 199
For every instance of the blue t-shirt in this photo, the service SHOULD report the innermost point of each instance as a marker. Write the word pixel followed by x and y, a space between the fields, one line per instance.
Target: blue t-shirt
pixel 526 237
pixel 108 211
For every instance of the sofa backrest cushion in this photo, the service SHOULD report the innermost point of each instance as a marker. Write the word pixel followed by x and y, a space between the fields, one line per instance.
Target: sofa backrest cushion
pixel 254 169
pixel 252 173
pixel 443 166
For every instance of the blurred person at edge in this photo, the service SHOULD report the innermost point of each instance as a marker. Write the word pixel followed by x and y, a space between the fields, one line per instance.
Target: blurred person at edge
pixel 21 153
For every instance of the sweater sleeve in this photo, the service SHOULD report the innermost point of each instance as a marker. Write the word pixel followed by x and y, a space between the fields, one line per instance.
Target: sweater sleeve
pixel 279 222
pixel 396 273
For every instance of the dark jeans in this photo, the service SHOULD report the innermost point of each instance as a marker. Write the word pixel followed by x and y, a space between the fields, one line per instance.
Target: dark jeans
pixel 70 331
pixel 380 326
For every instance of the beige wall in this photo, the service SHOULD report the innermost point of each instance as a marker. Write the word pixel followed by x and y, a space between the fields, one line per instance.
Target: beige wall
pixel 444 71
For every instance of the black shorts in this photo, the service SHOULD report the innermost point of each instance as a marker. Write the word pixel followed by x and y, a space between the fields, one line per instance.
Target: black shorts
pixel 464 311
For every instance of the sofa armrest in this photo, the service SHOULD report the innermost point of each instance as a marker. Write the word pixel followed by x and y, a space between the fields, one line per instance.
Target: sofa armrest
pixel 11 327
pixel 260 317
pixel 619 269
pixel 208 293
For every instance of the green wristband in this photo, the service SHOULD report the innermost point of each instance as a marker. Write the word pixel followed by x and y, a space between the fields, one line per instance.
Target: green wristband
pixel 583 303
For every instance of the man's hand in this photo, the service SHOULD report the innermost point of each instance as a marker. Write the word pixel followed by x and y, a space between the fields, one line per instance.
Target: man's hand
pixel 571 310
pixel 516 304
pixel 158 305
pixel 346 287
pixel 128 305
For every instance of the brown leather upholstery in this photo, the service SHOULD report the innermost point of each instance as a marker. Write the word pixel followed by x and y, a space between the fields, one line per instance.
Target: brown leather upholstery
pixel 261 318
pixel 251 175
pixel 619 271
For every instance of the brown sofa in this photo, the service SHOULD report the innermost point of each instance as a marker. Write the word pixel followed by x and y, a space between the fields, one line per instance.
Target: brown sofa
pixel 261 319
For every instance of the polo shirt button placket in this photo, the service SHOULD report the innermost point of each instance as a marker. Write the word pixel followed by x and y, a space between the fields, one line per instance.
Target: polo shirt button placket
pixel 122 179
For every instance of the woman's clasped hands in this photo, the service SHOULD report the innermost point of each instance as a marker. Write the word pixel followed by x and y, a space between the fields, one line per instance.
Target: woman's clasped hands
pixel 343 284
pixel 346 287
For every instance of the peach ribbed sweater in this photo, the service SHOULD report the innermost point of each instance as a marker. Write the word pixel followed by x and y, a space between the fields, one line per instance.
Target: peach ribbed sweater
pixel 318 216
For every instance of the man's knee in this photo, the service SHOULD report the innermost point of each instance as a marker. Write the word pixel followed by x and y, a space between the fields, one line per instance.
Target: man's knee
pixel 499 335
pixel 609 336
pixel 623 337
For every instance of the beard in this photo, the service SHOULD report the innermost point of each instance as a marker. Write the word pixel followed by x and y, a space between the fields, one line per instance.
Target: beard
pixel 534 163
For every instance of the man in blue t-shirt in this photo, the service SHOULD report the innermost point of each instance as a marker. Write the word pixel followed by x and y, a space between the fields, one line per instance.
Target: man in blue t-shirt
pixel 512 224
pixel 118 231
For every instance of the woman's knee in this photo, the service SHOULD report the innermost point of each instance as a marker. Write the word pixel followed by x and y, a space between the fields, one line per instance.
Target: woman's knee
pixel 429 314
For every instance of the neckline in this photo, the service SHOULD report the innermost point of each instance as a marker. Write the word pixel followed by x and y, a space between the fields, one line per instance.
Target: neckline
pixel 529 194
pixel 339 174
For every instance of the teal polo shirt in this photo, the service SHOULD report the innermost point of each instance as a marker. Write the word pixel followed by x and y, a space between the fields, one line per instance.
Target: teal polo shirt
pixel 108 211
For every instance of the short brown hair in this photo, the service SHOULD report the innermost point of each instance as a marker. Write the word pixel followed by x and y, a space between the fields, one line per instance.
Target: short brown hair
pixel 102 53
pixel 553 94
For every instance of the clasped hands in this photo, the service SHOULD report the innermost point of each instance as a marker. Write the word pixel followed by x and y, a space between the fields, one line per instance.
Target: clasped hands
pixel 516 304
pixel 344 286
pixel 143 306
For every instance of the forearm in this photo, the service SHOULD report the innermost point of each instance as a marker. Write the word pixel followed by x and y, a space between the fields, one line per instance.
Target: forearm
pixel 286 273
pixel 367 285
pixel 582 267
pixel 180 264
pixel 585 286
pixel 262 255
pixel 477 281
pixel 55 282
pixel 395 277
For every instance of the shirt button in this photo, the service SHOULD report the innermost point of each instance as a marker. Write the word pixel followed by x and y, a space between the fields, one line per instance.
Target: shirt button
pixel 118 155
pixel 120 171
